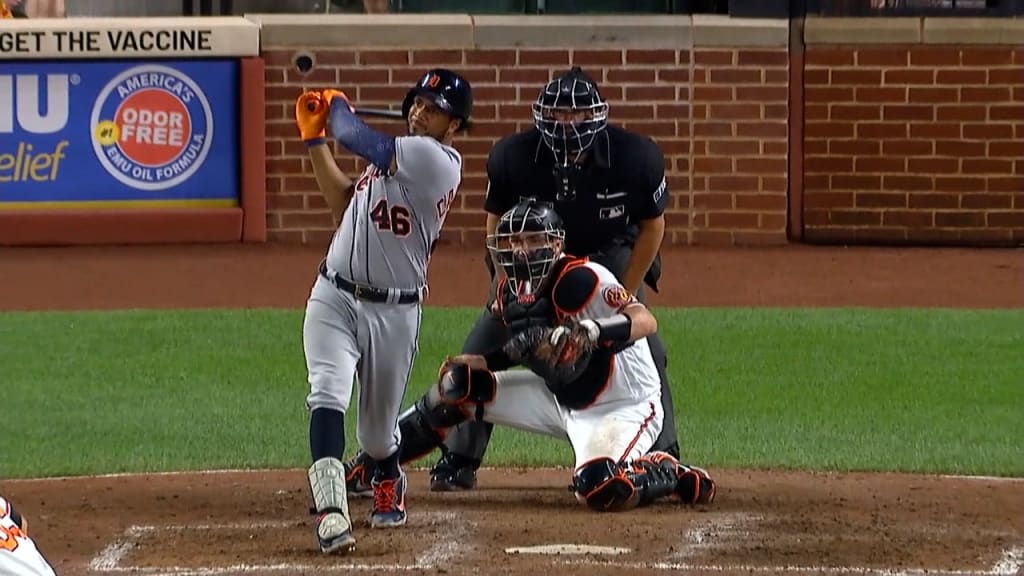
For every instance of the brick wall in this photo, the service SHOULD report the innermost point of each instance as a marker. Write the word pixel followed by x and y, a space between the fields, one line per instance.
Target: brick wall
pixel 919 144
pixel 725 154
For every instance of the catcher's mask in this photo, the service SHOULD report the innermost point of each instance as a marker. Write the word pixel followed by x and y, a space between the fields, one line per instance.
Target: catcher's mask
pixel 528 240
pixel 569 114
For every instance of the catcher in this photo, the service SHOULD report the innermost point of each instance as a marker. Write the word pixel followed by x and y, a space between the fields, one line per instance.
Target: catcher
pixel 19 554
pixel 591 375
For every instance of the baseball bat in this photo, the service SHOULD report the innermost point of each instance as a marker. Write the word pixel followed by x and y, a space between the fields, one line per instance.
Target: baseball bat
pixel 377 112
pixel 380 113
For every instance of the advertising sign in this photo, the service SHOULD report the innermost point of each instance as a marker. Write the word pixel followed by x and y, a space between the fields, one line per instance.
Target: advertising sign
pixel 119 133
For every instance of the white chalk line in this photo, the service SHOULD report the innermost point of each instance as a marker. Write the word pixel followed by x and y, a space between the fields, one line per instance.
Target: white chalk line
pixel 448 547
pixel 443 550
pixel 116 475
pixel 715 532
pixel 1009 564
pixel 261 568
pixel 720 532
pixel 108 560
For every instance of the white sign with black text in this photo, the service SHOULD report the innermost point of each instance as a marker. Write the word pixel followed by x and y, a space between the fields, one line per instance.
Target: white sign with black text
pixel 68 38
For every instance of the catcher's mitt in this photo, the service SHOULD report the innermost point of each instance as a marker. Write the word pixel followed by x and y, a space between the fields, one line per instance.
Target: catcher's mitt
pixel 559 354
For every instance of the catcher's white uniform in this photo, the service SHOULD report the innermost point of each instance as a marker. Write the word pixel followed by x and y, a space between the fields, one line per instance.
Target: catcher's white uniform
pixel 18 553
pixel 624 418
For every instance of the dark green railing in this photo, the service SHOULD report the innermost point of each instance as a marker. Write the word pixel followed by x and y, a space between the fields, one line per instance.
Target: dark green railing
pixel 950 8
pixel 562 6
pixel 736 8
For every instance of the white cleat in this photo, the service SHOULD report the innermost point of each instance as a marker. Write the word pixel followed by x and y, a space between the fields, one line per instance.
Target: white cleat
pixel 334 531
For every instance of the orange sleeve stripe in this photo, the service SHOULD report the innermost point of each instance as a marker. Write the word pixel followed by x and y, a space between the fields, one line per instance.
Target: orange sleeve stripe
pixel 498 296
pixel 643 426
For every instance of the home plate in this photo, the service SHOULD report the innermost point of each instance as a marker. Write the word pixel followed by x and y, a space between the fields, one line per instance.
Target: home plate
pixel 557 549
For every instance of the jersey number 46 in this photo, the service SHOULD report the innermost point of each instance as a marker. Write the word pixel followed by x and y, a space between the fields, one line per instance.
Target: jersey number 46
pixel 395 218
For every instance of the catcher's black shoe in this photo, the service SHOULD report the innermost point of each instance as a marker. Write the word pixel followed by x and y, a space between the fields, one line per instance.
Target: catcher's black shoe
pixel 358 472
pixel 453 473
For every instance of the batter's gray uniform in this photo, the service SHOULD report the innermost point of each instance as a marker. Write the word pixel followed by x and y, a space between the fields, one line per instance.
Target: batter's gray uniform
pixel 383 245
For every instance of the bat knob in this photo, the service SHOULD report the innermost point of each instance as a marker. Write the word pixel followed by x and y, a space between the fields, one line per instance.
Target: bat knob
pixel 311 106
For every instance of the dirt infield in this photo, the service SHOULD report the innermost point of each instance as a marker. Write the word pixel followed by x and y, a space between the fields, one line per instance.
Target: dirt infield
pixel 762 522
pixel 280 276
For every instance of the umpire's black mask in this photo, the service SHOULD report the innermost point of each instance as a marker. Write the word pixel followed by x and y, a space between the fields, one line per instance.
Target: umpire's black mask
pixel 569 114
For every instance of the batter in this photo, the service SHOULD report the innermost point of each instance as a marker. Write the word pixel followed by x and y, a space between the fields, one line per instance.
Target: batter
pixel 362 318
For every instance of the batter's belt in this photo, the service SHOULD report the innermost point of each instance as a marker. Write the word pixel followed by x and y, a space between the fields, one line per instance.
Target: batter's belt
pixel 370 293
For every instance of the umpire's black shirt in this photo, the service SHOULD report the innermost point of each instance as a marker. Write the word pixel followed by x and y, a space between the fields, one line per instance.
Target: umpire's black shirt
pixel 622 182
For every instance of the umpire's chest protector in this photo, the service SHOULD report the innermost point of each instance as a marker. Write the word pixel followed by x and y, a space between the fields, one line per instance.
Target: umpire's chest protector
pixel 614 187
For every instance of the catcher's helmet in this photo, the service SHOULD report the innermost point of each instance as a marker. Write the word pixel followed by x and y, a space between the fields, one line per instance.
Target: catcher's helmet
pixel 447 90
pixel 524 243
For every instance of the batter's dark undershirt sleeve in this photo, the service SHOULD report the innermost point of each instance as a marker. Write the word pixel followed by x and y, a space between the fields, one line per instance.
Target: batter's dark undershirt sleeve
pixel 500 195
pixel 649 197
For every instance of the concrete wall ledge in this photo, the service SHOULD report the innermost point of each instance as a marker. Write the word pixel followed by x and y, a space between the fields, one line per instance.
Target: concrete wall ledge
pixel 365 30
pixel 463 31
pixel 974 31
pixel 667 31
pixel 718 30
pixel 914 30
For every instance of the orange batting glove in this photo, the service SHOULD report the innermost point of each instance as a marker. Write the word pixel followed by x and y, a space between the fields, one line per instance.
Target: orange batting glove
pixel 311 118
pixel 329 95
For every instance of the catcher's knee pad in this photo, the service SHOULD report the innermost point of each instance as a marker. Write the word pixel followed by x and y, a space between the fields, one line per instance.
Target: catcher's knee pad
pixel 693 485
pixel 460 394
pixel 603 485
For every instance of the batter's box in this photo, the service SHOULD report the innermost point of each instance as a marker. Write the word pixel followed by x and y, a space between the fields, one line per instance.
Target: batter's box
pixel 281 547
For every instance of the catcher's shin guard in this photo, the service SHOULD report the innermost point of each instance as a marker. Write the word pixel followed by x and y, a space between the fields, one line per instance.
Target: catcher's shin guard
pixel 693 485
pixel 606 485
pixel 333 523
pixel 459 395
pixel 421 432
pixel 653 480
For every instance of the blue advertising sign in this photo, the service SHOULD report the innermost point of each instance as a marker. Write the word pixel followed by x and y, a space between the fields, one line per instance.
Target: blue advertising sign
pixel 119 133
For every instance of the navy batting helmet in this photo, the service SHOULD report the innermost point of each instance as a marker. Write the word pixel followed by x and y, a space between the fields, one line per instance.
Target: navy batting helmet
pixel 447 90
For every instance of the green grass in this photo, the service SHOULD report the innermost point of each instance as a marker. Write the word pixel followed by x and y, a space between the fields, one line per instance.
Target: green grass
pixel 851 389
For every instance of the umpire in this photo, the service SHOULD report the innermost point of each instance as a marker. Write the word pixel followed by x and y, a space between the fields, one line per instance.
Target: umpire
pixel 608 184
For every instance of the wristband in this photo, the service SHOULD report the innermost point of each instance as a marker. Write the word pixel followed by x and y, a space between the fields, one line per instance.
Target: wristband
pixel 315 141
pixel 614 329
